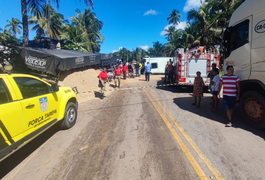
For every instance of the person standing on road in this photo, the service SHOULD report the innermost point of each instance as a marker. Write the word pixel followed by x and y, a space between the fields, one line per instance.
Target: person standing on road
pixel 170 72
pixel 147 71
pixel 130 70
pixel 103 79
pixel 117 74
pixel 137 66
pixel 125 70
pixel 166 72
pixel 231 92
pixel 140 68
pixel 210 75
pixel 215 85
pixel 198 89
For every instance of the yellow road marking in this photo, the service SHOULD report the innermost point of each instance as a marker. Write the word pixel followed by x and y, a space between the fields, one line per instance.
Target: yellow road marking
pixel 208 163
pixel 193 162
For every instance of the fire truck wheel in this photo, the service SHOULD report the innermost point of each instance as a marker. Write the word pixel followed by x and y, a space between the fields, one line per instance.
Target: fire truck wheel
pixel 70 116
pixel 252 107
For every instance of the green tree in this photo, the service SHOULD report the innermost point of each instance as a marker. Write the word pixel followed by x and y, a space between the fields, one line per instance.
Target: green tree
pixel 8 39
pixel 174 17
pixel 25 4
pixel 169 32
pixel 40 22
pixel 37 4
pixel 90 27
pixel 157 49
pixel 14 26
pixel 205 21
pixel 170 49
pixel 89 3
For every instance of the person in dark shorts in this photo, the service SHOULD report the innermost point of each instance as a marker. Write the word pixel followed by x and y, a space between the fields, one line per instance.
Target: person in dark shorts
pixel 214 86
pixel 231 92
pixel 103 79
pixel 170 72
pixel 147 71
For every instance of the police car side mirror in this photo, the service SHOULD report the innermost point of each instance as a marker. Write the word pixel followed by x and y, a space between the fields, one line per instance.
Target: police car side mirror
pixel 55 88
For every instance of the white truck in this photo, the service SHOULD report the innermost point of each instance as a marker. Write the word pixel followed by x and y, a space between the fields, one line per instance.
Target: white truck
pixel 192 60
pixel 158 64
pixel 244 48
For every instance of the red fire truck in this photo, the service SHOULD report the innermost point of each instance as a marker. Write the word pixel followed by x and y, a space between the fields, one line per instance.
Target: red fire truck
pixel 193 60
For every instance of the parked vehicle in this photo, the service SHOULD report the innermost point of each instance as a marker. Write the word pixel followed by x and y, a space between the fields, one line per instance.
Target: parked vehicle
pixel 193 60
pixel 158 64
pixel 29 106
pixel 244 48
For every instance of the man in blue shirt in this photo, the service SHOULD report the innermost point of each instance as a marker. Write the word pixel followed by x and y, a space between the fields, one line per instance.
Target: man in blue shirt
pixel 147 71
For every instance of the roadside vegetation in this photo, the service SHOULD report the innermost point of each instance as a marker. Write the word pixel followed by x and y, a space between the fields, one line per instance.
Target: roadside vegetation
pixel 204 27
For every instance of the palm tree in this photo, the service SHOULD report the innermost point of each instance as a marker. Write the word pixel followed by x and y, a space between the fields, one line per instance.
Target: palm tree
pixel 90 27
pixel 170 50
pixel 170 31
pixel 72 33
pixel 14 26
pixel 174 17
pixel 158 48
pixel 87 2
pixel 40 22
pixel 179 39
pixel 6 38
pixel 36 4
pixel 205 21
pixel 124 53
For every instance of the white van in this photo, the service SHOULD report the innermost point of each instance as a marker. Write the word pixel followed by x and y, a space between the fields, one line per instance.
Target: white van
pixel 158 64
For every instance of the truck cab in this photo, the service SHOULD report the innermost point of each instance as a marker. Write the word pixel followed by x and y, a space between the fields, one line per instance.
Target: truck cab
pixel 29 106
pixel 244 49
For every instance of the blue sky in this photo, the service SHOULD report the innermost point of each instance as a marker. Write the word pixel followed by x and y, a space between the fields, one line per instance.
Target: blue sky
pixel 128 24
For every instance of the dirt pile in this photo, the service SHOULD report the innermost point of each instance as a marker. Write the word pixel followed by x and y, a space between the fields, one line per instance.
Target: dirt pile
pixel 85 80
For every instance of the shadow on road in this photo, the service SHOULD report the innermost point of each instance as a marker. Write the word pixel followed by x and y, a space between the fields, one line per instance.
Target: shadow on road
pixel 220 116
pixel 99 95
pixel 20 155
pixel 174 88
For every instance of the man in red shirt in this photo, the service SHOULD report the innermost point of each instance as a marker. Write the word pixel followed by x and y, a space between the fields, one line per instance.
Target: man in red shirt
pixel 103 78
pixel 231 92
pixel 125 70
pixel 117 74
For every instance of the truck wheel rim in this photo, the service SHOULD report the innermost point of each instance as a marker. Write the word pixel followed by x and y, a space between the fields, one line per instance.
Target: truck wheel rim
pixel 254 109
pixel 71 114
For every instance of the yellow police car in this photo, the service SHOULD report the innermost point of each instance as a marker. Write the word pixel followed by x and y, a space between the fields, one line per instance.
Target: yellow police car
pixel 29 106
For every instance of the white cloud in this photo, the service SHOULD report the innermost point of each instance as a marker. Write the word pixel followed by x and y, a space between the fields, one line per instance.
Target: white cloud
pixel 146 47
pixel 151 11
pixel 116 50
pixel 181 25
pixel 192 4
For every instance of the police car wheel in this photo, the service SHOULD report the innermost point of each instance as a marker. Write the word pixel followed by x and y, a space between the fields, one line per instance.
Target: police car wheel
pixel 70 116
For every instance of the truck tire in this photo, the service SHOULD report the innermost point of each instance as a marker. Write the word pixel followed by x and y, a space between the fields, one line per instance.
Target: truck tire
pixel 70 116
pixel 252 107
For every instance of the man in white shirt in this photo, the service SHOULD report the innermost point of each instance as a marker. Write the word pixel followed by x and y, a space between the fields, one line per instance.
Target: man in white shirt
pixel 214 86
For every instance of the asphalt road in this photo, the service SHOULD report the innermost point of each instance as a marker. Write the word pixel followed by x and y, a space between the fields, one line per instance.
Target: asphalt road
pixel 143 133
